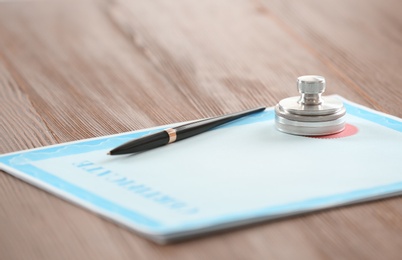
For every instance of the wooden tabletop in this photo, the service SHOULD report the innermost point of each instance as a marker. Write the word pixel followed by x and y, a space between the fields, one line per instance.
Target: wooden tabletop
pixel 71 70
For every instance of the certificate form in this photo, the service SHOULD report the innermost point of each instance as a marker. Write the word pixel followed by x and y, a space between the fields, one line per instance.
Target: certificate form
pixel 240 173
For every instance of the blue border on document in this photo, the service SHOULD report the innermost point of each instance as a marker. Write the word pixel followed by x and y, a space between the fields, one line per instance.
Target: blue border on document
pixel 374 117
pixel 137 219
pixel 87 196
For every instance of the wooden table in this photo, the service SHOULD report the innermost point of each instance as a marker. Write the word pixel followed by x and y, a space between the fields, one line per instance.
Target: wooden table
pixel 71 70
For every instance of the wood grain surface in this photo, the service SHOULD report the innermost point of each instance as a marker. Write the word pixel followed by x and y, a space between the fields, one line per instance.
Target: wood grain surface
pixel 71 70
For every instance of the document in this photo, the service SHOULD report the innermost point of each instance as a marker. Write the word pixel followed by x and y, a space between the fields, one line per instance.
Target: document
pixel 240 173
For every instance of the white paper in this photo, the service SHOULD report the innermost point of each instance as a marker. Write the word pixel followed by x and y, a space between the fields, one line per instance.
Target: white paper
pixel 243 172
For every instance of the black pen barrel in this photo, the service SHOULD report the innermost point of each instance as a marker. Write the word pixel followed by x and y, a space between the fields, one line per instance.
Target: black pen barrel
pixel 204 125
pixel 142 144
pixel 178 133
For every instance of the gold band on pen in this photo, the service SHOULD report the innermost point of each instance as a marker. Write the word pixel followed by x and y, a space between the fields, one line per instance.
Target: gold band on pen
pixel 172 134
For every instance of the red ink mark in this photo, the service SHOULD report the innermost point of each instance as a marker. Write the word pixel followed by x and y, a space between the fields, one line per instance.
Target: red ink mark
pixel 349 131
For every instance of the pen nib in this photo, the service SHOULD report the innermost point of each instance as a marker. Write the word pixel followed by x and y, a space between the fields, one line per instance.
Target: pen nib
pixel 108 153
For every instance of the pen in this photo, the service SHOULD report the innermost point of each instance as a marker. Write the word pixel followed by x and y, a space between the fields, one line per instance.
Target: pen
pixel 178 133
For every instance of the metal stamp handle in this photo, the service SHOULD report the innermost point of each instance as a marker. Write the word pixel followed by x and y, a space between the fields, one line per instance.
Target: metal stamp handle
pixel 311 87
